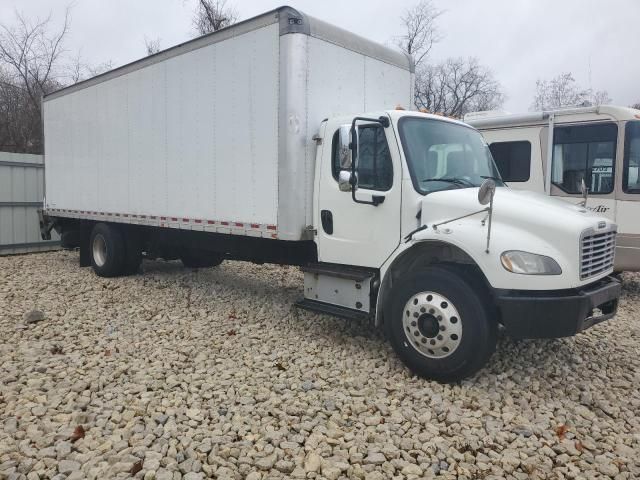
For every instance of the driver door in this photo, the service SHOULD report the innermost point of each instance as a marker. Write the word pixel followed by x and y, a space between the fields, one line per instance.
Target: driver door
pixel 351 233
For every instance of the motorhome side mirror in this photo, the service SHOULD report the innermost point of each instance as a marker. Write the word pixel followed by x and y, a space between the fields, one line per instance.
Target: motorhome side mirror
pixel 344 149
pixel 344 181
pixel 486 191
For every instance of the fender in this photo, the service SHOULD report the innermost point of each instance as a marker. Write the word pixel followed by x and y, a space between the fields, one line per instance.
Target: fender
pixel 423 250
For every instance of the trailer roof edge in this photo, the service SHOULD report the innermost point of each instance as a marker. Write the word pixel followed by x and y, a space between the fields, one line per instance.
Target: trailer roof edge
pixel 290 21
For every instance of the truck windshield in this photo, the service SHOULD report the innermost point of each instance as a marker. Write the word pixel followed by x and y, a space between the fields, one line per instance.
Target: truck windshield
pixel 630 177
pixel 443 155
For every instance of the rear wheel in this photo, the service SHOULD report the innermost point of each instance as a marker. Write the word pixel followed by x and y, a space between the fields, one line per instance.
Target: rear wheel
pixel 439 325
pixel 200 259
pixel 107 250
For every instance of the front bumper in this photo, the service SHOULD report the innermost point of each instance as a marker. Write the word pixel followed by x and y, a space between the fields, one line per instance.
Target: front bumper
pixel 543 314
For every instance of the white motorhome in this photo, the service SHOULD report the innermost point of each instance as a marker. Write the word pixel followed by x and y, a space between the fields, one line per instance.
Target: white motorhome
pixel 276 140
pixel 597 145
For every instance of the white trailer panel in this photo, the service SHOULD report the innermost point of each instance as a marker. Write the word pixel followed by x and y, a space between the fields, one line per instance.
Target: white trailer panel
pixel 215 134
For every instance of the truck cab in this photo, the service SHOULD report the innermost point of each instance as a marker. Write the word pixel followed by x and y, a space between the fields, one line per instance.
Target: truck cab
pixel 416 230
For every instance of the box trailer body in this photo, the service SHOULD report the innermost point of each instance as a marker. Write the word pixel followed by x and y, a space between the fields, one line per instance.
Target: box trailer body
pixel 600 145
pixel 215 134
pixel 276 140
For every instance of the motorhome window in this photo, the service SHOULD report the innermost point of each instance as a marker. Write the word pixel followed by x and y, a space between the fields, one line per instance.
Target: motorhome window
pixel 584 152
pixel 442 155
pixel 513 160
pixel 631 177
pixel 375 168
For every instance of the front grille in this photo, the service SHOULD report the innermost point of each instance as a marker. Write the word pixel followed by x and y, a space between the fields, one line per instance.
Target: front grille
pixel 597 252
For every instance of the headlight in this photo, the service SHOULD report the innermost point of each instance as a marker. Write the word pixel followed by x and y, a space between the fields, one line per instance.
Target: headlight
pixel 527 263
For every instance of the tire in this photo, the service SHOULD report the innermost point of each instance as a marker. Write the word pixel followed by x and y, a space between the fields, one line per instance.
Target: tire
pixel 200 259
pixel 107 250
pixel 439 326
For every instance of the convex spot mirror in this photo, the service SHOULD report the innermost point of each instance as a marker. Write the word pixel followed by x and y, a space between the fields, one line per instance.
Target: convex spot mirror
pixel 486 191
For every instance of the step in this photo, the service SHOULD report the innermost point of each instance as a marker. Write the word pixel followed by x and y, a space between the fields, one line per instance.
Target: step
pixel 328 308
pixel 358 274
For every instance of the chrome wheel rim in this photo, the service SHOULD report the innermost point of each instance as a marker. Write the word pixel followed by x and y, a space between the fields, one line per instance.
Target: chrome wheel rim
pixel 432 325
pixel 99 248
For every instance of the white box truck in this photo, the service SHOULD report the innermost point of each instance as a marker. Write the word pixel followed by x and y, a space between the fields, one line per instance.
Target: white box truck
pixel 276 140
pixel 598 145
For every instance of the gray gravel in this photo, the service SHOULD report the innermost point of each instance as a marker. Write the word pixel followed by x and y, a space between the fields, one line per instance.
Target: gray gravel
pixel 212 373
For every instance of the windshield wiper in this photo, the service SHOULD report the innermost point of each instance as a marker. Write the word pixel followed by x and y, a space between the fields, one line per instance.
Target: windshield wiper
pixel 456 181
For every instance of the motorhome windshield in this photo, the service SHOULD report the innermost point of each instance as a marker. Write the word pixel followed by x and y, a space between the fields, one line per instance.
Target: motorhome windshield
pixel 443 155
pixel 631 179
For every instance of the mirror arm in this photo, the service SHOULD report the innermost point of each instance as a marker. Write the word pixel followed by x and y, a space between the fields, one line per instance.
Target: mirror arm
pixel 384 122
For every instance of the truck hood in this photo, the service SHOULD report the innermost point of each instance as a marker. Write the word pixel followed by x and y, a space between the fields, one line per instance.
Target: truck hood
pixel 521 220
pixel 518 208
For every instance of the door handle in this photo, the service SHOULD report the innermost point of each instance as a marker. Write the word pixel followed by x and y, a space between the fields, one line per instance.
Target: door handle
pixel 326 218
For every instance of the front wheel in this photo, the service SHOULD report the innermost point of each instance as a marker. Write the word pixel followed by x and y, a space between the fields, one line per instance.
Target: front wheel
pixel 439 326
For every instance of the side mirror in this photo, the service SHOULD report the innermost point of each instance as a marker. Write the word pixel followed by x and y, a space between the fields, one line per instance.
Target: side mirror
pixel 486 191
pixel 344 147
pixel 345 182
pixel 585 193
pixel 346 179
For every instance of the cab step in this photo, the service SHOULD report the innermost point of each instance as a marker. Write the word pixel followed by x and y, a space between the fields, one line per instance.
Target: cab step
pixel 330 309
pixel 340 290
pixel 357 274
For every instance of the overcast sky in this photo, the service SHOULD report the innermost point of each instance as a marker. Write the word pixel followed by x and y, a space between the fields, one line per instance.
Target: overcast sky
pixel 519 40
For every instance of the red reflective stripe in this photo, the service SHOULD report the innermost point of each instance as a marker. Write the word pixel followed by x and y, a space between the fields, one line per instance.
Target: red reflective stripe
pixel 238 224
pixel 271 227
pixel 210 222
pixel 224 223
pixel 255 225
pixel 198 221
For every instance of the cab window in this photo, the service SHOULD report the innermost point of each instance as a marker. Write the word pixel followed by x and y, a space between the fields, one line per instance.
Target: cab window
pixel 584 152
pixel 631 177
pixel 375 168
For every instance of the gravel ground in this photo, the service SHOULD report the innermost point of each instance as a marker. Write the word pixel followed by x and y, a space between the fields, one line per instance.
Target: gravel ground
pixel 193 374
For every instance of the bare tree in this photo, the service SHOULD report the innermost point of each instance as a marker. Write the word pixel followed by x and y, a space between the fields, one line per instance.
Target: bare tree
pixel 33 63
pixel 19 121
pixel 457 86
pixel 213 15
pixel 636 105
pixel 152 45
pixel 600 97
pixel 30 53
pixel 420 30
pixel 562 91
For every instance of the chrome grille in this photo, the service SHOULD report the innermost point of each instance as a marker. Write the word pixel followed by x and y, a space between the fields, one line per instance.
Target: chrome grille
pixel 597 252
